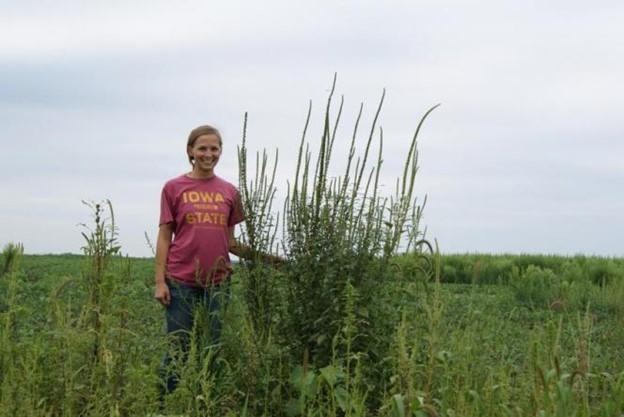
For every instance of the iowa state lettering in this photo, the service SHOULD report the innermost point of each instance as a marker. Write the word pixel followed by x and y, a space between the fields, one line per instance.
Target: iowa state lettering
pixel 202 196
pixel 218 219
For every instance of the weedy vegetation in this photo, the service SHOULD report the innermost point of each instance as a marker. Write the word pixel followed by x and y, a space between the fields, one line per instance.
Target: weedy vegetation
pixel 366 317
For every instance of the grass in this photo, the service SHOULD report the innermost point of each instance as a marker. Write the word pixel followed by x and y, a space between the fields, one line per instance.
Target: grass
pixel 458 349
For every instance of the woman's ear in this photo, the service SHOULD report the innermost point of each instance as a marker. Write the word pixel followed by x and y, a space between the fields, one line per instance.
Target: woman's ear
pixel 189 153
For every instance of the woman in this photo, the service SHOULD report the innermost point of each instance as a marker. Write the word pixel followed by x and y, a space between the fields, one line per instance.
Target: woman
pixel 198 213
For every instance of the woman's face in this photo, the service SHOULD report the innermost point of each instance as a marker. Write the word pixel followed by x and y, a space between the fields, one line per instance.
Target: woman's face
pixel 206 152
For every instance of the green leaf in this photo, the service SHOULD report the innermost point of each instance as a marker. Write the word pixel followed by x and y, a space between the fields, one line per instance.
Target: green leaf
pixel 293 408
pixel 398 406
pixel 296 378
pixel 342 398
pixel 443 356
pixel 330 375
pixel 309 387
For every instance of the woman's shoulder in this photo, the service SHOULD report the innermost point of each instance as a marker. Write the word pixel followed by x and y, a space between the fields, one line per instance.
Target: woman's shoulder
pixel 176 181
pixel 226 184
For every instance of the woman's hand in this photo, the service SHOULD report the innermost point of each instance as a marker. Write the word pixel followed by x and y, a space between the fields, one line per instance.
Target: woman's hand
pixel 274 260
pixel 162 293
pixel 165 233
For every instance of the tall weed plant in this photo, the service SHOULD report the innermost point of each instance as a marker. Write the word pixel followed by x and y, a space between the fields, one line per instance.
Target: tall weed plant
pixel 336 233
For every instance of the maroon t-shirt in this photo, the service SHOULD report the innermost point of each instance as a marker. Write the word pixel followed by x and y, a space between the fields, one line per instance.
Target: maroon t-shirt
pixel 201 211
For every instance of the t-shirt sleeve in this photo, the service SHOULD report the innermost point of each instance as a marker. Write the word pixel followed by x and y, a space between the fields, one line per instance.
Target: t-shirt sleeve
pixel 166 208
pixel 236 215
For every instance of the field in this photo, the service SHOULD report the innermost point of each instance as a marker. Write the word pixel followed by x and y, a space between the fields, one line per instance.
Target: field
pixel 497 335
pixel 364 318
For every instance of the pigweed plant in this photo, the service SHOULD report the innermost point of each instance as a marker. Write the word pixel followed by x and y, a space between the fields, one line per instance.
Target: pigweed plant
pixel 67 351
pixel 338 235
pixel 100 246
pixel 261 226
pixel 9 314
pixel 10 257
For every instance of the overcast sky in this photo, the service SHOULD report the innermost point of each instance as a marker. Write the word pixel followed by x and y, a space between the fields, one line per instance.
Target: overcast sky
pixel 524 155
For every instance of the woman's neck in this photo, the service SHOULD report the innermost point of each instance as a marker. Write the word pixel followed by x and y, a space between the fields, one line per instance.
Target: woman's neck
pixel 201 174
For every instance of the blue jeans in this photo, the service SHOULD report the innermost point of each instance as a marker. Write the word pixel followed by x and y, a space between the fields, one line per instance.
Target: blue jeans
pixel 191 309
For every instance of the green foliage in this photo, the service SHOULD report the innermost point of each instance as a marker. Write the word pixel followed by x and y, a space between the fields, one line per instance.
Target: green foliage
pixel 338 233
pixel 496 269
pixel 456 349
pixel 536 286
pixel 11 254
pixel 66 351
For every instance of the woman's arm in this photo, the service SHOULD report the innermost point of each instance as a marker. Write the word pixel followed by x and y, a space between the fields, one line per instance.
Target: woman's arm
pixel 165 233
pixel 244 252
